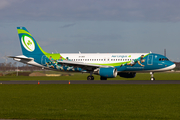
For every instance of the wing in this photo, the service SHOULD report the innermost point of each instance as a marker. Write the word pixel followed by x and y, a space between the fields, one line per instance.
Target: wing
pixel 84 66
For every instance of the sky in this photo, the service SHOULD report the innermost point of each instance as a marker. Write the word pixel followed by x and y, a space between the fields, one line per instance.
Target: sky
pixel 91 26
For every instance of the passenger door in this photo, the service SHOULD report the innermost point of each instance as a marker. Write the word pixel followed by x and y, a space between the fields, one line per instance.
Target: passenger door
pixel 150 60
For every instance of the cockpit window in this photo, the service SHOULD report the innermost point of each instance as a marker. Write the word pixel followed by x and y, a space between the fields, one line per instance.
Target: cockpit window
pixel 163 59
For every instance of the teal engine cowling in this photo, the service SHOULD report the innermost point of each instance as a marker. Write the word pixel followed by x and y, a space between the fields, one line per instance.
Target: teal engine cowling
pixel 106 72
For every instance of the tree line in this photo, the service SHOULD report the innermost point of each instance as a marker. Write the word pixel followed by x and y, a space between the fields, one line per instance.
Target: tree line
pixel 14 67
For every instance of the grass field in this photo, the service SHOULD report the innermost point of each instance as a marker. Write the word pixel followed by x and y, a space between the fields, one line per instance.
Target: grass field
pixel 79 76
pixel 140 102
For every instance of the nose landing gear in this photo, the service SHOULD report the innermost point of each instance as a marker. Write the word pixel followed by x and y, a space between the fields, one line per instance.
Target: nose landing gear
pixel 152 76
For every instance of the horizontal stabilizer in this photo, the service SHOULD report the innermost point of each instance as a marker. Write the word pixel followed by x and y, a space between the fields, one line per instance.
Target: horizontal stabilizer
pixel 21 58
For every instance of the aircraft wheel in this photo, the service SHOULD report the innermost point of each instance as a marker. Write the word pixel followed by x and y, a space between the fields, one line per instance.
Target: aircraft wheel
pixel 152 78
pixel 103 78
pixel 90 77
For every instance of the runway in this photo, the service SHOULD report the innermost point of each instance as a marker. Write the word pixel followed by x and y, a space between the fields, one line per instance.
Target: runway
pixel 93 82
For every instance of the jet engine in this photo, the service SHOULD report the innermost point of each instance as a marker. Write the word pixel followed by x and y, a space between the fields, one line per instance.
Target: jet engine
pixel 106 72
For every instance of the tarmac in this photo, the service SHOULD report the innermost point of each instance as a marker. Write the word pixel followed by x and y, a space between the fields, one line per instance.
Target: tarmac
pixel 93 82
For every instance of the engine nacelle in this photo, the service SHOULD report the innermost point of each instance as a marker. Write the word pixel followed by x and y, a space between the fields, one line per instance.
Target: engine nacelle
pixel 106 72
pixel 127 74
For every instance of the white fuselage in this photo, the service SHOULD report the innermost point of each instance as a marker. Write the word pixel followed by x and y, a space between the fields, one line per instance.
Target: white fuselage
pixel 102 58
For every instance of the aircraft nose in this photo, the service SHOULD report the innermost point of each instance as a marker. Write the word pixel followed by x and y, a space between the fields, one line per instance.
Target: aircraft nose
pixel 172 66
pixel 169 65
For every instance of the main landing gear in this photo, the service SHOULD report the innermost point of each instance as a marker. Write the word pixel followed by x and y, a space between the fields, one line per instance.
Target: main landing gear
pixel 90 77
pixel 152 76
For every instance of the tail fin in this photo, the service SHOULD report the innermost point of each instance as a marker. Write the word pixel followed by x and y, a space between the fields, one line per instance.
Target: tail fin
pixel 29 45
pixel 30 48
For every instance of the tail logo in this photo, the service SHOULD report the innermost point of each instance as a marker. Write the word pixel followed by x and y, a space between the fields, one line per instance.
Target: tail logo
pixel 28 43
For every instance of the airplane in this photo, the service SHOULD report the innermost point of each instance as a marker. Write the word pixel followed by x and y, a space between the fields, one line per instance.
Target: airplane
pixel 106 65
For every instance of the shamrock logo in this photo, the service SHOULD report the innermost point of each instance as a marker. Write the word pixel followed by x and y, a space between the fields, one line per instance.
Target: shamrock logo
pixel 29 43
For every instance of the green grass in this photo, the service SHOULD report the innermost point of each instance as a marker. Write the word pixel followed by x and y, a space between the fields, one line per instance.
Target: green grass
pixel 138 102
pixel 79 76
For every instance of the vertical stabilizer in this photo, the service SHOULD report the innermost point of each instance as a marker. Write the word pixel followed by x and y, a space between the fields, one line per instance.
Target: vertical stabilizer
pixel 29 46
